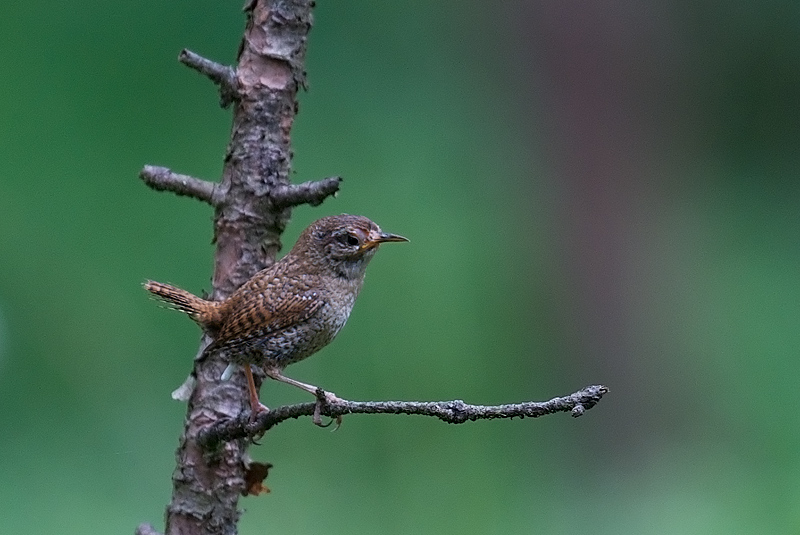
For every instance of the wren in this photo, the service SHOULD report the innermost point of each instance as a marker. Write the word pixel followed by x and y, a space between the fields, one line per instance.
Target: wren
pixel 291 309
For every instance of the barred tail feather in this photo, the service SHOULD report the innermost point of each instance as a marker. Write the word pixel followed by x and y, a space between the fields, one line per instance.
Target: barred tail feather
pixel 206 313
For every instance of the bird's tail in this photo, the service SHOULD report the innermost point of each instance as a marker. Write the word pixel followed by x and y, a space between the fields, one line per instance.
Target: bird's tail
pixel 206 313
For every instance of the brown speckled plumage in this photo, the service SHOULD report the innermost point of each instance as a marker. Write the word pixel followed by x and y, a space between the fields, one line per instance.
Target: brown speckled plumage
pixel 293 308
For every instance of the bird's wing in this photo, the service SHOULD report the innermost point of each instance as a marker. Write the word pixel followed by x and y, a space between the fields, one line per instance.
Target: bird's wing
pixel 264 310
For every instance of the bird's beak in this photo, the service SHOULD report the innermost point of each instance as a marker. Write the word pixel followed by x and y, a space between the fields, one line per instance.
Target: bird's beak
pixel 383 236
pixel 377 238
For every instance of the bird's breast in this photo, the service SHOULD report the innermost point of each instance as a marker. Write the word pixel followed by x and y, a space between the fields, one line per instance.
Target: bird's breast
pixel 305 338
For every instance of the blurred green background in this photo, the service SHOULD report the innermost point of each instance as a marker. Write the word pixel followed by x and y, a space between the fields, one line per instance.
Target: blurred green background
pixel 595 192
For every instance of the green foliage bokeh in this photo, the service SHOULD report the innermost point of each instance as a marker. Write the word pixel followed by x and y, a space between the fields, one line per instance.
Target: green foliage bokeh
pixel 592 196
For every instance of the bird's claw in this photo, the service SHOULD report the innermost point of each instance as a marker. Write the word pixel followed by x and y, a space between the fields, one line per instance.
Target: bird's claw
pixel 325 398
pixel 255 410
pixel 251 423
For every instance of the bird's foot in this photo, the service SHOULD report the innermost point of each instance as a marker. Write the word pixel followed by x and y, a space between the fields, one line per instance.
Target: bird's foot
pixel 257 409
pixel 325 398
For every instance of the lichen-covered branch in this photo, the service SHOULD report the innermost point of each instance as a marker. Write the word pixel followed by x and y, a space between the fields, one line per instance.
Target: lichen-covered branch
pixel 454 412
pixel 163 179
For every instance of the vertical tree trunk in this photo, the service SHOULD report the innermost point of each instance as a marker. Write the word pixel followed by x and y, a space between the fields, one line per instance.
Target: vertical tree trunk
pixel 250 217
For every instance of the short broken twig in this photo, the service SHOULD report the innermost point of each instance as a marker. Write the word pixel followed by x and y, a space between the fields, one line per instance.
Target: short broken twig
pixel 163 179
pixel 222 75
pixel 313 192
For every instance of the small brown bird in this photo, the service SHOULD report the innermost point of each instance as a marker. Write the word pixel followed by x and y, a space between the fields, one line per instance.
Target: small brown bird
pixel 293 308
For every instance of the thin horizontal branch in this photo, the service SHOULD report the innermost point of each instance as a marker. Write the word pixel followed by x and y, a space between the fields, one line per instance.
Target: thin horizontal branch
pixel 163 179
pixel 454 412
pixel 222 75
pixel 312 193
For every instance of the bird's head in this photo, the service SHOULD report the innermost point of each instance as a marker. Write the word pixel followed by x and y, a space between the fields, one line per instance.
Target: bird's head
pixel 344 244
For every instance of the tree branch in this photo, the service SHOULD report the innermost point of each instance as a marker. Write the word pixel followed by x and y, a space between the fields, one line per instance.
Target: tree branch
pixel 453 412
pixel 222 75
pixel 163 179
pixel 312 193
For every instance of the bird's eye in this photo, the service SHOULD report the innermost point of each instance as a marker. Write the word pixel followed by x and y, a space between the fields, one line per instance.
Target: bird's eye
pixel 352 241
